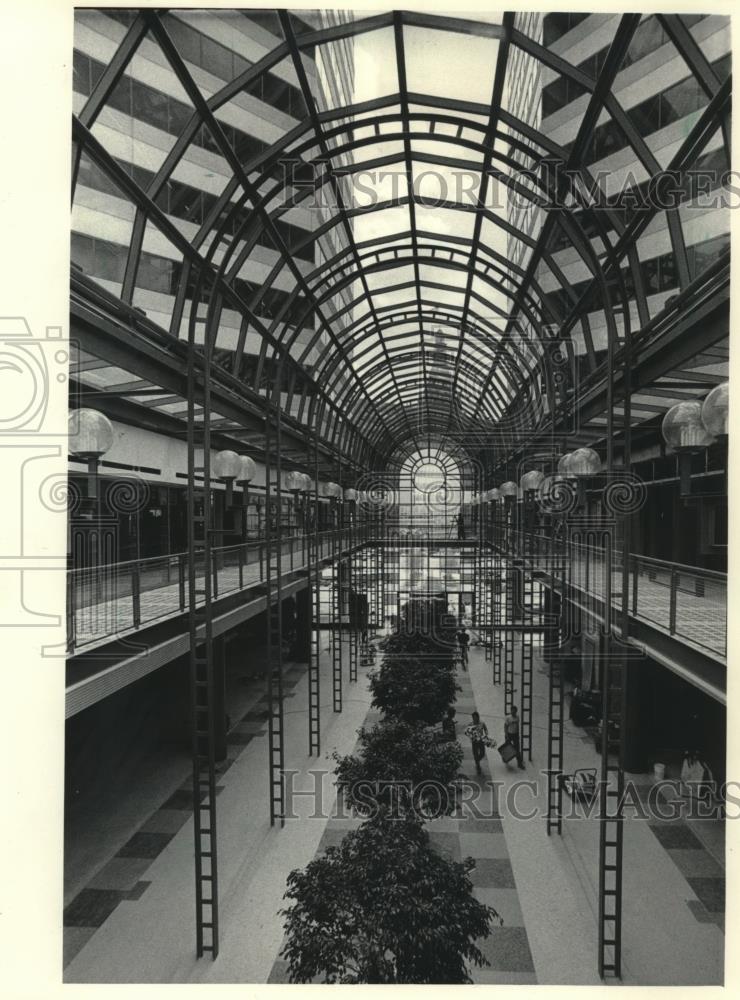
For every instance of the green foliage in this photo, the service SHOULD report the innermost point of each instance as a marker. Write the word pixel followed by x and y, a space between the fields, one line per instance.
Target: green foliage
pixel 415 682
pixel 427 618
pixel 413 690
pixel 383 907
pixel 437 645
pixel 394 754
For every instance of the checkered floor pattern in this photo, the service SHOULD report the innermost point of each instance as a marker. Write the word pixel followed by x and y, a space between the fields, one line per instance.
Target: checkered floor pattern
pixel 481 837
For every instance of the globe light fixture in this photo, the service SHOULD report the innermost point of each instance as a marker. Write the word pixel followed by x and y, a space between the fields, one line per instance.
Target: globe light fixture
pixel 684 432
pixel 509 489
pixel 90 437
pixel 531 481
pixel 350 494
pixel 563 464
pixel 90 434
pixel 226 466
pixel 683 429
pixel 247 470
pixel 583 462
pixel 715 411
pixel 333 491
pixel 295 482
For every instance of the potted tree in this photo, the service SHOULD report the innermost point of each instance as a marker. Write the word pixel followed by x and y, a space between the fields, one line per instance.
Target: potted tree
pixel 413 690
pixel 384 907
pixel 400 766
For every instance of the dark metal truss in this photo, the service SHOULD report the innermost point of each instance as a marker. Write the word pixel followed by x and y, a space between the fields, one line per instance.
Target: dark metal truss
pixel 340 369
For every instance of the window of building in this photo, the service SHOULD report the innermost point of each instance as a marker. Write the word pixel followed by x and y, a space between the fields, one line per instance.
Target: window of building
pixel 648 37
pixel 680 100
pixel 646 116
pixel 555 26
pixel 268 20
pixel 155 274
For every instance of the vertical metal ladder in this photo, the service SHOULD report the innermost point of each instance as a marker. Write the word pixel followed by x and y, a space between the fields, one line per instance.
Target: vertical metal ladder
pixel 479 590
pixel 555 749
pixel 353 589
pixel 374 585
pixel 611 831
pixel 554 634
pixel 508 636
pixel 486 591
pixel 200 627
pixel 273 581
pixel 380 553
pixel 336 624
pixel 611 823
pixel 496 609
pixel 314 605
pixel 530 621
pixel 599 538
pixel 354 638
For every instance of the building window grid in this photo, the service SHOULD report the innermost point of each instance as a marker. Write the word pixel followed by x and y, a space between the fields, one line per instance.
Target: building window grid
pixel 648 38
pixel 659 274
pixel 103 259
pixel 191 204
pixel 653 114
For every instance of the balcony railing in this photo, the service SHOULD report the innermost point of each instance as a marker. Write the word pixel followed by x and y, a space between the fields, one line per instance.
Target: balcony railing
pixel 107 601
pixel 687 602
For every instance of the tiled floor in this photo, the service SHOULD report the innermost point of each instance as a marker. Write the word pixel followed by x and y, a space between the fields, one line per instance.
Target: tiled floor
pixel 507 948
pixel 133 919
pixel 119 879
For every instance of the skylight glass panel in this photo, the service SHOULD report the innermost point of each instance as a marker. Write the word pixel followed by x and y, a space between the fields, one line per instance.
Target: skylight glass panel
pixel 450 64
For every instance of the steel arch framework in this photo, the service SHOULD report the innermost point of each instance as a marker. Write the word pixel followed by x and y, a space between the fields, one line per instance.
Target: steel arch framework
pixel 340 342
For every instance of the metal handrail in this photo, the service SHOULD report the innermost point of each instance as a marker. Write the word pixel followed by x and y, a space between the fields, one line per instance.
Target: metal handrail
pixel 589 556
pixel 96 579
pixel 617 553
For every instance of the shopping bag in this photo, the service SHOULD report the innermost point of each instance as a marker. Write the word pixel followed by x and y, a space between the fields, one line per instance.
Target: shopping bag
pixel 507 751
pixel 581 785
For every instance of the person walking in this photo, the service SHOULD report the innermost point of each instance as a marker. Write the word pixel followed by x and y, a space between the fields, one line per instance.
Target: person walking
pixel 511 734
pixel 463 640
pixel 477 733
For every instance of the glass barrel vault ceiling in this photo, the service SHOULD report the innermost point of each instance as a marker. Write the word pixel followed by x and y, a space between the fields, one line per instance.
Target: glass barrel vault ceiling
pixel 389 250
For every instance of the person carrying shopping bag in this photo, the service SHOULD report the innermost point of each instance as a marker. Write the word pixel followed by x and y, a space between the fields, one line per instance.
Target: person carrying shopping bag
pixel 477 733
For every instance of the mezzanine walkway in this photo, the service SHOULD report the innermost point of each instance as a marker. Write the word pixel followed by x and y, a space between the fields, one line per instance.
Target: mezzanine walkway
pixel 687 603
pixel 145 592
